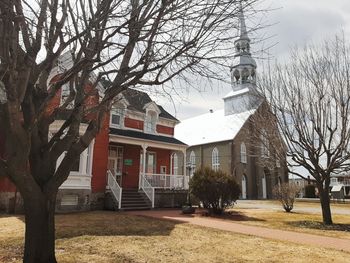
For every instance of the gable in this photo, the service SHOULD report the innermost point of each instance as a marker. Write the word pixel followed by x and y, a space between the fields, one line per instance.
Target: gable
pixel 152 106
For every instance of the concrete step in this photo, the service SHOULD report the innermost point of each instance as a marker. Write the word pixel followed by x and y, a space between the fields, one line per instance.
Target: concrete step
pixel 132 199
pixel 135 208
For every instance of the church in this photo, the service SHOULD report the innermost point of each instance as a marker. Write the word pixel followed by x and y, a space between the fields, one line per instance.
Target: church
pixel 238 139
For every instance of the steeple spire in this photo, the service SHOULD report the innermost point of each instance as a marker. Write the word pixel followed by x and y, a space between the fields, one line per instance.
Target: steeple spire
pixel 244 66
pixel 243 96
pixel 242 26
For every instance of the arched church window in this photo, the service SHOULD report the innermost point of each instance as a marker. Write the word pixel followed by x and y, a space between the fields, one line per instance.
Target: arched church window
pixel 215 164
pixel 192 162
pixel 243 153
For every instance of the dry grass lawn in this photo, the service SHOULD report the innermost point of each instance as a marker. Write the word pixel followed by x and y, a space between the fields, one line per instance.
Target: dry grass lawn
pixel 296 221
pixel 114 237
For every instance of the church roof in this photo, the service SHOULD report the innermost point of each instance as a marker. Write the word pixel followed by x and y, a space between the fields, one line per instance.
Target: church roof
pixel 211 127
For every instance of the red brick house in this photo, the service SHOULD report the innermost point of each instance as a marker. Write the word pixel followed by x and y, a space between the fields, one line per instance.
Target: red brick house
pixel 134 162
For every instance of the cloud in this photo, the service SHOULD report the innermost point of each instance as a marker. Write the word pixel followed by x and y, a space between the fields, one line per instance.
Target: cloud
pixel 297 22
pixel 311 21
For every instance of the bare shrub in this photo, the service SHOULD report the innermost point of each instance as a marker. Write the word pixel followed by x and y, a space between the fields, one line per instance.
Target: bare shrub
pixel 286 194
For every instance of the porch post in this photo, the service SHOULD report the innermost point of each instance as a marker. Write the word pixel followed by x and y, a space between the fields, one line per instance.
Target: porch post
pixel 171 163
pixel 144 151
pixel 184 163
pixel 185 182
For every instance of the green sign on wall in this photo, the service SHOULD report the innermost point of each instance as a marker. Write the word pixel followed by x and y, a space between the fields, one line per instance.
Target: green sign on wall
pixel 128 162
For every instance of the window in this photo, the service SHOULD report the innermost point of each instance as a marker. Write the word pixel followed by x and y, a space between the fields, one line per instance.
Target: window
pixel 163 169
pixel 151 122
pixel 150 162
pixel 89 160
pixel 65 92
pixel 243 153
pixel 69 200
pixel 264 144
pixel 82 165
pixel 278 164
pixel 76 165
pixel 192 163
pixel 116 119
pixel 215 159
pixel 175 164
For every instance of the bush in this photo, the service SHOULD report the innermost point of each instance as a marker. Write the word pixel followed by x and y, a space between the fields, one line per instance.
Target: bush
pixel 310 191
pixel 215 189
pixel 286 194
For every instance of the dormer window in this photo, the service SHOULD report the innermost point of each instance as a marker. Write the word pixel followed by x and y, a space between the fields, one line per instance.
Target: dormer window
pixel 117 117
pixel 151 122
pixel 151 118
pixel 65 92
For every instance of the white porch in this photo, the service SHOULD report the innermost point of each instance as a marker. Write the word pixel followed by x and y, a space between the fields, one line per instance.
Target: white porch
pixel 148 180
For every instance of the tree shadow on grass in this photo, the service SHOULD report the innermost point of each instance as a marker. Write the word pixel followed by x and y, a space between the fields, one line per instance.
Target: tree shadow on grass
pixel 234 216
pixel 320 225
pixel 104 223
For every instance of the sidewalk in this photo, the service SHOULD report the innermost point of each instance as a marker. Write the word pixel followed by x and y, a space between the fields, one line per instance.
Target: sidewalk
pixel 282 235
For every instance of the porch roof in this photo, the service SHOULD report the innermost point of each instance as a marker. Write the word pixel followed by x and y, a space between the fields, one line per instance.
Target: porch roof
pixel 145 136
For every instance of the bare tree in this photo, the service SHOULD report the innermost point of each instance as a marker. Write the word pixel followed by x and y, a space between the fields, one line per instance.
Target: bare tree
pixel 286 193
pixel 136 42
pixel 310 99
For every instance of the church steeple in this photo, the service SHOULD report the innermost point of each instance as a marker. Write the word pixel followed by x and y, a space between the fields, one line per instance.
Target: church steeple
pixel 244 95
pixel 243 69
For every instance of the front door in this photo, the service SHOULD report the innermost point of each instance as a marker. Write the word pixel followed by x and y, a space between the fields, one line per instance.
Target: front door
pixel 115 162
pixel 244 187
pixel 263 182
pixel 151 163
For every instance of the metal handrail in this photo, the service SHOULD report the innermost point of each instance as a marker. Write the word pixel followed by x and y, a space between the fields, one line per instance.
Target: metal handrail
pixel 147 189
pixel 115 188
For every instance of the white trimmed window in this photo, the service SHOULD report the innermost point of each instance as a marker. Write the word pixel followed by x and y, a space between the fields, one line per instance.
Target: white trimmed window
pixel 117 118
pixel 243 153
pixel 65 92
pixel 151 122
pixel 83 165
pixel 215 164
pixel 193 162
pixel 69 200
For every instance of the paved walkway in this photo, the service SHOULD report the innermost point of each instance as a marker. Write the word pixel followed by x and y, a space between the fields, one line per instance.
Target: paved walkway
pixel 300 238
pixel 301 207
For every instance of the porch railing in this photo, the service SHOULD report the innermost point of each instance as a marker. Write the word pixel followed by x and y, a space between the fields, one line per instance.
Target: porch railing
pixel 115 188
pixel 167 181
pixel 147 189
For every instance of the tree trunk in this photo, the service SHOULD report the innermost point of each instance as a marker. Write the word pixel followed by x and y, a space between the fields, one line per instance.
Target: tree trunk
pixel 325 205
pixel 40 228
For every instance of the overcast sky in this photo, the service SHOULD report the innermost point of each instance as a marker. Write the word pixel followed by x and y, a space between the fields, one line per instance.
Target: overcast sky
pixel 296 22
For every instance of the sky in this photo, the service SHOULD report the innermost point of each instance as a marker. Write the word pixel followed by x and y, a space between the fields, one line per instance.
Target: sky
pixel 293 23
